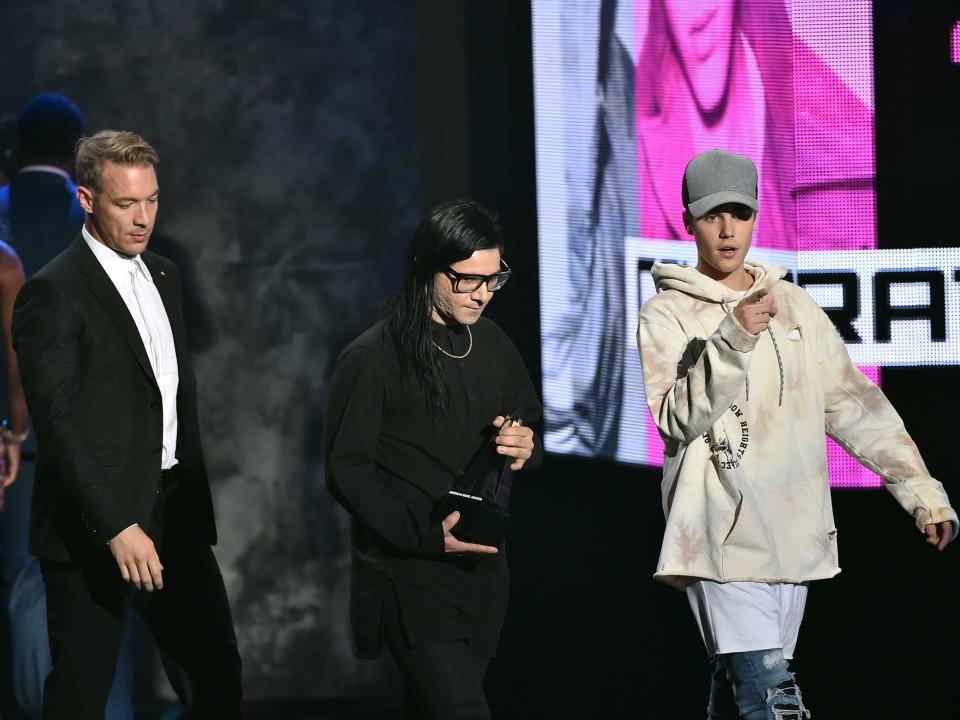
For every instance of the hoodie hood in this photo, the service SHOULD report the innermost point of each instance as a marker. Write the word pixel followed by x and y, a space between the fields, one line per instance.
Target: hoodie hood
pixel 690 281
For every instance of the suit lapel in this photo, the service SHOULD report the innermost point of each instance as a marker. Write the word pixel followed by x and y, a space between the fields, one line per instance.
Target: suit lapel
pixel 106 293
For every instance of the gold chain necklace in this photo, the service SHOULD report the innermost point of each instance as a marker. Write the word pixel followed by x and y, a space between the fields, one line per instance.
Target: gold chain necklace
pixel 451 355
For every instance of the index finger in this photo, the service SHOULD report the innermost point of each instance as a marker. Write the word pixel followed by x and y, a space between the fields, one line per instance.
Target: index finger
pixel 465 547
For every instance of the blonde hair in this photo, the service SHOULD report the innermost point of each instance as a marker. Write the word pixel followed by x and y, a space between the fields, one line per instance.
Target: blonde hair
pixel 118 146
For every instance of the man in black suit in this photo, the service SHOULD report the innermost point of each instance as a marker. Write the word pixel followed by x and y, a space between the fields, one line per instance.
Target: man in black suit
pixel 122 513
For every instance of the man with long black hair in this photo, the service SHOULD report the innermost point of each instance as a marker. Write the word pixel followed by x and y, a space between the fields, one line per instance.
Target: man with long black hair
pixel 411 401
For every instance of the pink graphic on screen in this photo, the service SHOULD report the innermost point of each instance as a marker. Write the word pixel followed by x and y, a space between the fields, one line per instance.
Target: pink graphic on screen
pixel 955 43
pixel 721 73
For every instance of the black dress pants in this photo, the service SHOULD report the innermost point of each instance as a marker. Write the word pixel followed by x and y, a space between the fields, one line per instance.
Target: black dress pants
pixel 189 618
pixel 444 680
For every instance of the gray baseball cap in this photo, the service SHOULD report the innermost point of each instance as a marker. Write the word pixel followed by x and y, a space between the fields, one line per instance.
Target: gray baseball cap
pixel 717 177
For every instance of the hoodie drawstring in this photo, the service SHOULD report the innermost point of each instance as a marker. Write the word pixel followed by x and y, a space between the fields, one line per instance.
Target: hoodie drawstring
pixel 779 362
pixel 776 349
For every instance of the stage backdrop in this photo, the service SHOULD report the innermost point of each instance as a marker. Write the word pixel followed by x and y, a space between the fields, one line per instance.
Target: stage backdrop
pixel 626 93
pixel 290 177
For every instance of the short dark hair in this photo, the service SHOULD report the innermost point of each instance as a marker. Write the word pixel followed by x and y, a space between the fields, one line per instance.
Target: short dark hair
pixel 450 233
pixel 48 128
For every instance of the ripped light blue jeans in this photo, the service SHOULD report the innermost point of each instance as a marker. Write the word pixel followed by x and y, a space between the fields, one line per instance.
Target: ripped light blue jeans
pixel 754 685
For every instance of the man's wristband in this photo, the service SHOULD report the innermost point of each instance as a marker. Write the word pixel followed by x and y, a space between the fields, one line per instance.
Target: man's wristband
pixel 12 438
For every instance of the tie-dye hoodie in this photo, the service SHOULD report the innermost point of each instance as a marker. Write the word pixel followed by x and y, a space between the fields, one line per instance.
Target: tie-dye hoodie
pixel 743 417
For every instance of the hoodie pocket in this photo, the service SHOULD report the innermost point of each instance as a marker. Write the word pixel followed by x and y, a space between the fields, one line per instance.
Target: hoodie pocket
pixel 778 533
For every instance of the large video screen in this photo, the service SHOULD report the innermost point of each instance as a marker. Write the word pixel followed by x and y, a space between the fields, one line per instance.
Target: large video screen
pixel 626 92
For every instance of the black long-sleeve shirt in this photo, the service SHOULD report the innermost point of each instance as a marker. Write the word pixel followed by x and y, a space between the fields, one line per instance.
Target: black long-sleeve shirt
pixel 388 463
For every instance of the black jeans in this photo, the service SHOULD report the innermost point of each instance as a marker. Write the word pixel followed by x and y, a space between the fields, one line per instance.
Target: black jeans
pixel 444 680
pixel 189 618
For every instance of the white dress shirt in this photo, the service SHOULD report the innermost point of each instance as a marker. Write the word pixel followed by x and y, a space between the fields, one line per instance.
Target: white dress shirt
pixel 135 284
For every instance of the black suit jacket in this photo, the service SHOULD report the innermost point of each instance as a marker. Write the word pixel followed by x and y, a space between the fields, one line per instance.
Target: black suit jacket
pixel 96 409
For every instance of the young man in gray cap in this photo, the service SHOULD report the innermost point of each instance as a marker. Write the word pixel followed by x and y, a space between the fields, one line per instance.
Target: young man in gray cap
pixel 742 373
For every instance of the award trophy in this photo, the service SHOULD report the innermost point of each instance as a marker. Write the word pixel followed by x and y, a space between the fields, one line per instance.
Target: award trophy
pixel 479 492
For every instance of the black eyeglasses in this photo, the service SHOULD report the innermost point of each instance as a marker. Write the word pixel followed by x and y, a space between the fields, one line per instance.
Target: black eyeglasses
pixel 465 283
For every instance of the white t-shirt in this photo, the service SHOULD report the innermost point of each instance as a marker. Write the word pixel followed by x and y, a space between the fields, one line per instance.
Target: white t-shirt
pixel 743 616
